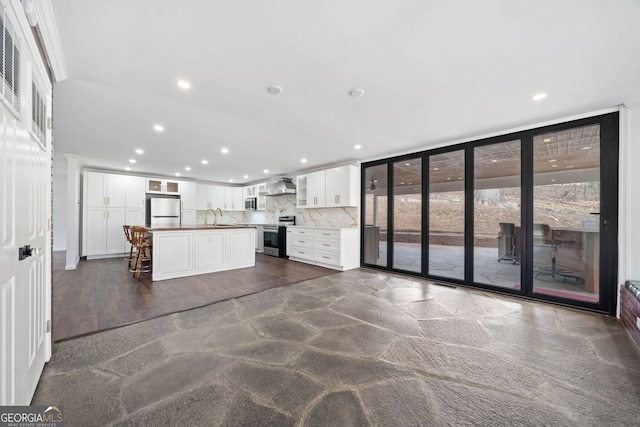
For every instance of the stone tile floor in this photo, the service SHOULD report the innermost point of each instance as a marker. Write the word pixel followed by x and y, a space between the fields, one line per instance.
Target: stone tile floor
pixel 353 349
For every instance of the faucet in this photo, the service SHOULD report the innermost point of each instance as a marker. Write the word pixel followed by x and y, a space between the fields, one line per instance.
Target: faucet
pixel 215 216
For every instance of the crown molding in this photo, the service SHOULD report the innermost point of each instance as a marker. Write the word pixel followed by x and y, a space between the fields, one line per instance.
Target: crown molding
pixel 50 39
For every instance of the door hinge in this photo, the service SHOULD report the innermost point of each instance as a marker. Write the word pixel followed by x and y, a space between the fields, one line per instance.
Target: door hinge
pixel 49 325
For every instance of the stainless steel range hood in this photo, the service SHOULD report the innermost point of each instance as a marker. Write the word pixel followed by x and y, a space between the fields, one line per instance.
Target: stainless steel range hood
pixel 280 187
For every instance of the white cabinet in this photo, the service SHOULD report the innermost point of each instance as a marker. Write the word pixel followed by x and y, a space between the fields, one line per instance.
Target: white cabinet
pixel 336 187
pixel 134 216
pixel 341 186
pixel 209 196
pixel 163 186
pixel 233 200
pixel 261 204
pixel 250 191
pixel 188 195
pixel 104 214
pixel 310 192
pixel 134 192
pixel 337 248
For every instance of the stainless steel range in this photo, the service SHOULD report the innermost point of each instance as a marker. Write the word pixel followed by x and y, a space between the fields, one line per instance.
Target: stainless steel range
pixel 275 236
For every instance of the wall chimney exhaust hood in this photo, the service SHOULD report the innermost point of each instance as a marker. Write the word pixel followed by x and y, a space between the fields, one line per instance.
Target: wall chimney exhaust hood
pixel 280 187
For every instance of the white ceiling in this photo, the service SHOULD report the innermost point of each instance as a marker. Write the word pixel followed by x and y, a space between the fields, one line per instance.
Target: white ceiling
pixel 432 71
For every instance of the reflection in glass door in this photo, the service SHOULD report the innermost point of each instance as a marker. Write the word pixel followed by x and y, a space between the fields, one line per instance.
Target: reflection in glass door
pixel 446 215
pixel 496 214
pixel 375 188
pixel 407 215
pixel 566 207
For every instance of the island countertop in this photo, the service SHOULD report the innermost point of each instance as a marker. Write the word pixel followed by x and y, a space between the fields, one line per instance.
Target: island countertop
pixel 185 227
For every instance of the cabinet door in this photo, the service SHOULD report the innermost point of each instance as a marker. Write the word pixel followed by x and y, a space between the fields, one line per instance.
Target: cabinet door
pixel 188 195
pixel 228 199
pixel 316 189
pixel 250 191
pixel 134 216
pixel 262 200
pixel 154 185
pixel 115 233
pixel 217 196
pixel 96 238
pixel 115 190
pixel 238 199
pixel 341 186
pixel 134 194
pixel 172 187
pixel 202 197
pixel 95 184
pixel 302 191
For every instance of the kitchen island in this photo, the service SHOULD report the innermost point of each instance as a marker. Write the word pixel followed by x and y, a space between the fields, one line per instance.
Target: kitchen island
pixel 188 250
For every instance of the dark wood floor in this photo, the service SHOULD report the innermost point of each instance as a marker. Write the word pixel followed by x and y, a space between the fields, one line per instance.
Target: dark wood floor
pixel 101 294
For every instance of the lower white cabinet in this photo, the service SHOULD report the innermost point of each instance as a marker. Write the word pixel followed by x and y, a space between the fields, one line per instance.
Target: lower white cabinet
pixel 103 232
pixel 337 248
pixel 181 253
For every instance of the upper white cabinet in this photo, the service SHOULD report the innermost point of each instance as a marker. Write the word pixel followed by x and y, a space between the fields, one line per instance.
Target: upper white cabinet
pixel 188 195
pixel 250 191
pixel 209 196
pixel 341 186
pixel 106 189
pixel 336 187
pixel 310 191
pixel 134 192
pixel 163 186
pixel 233 199
pixel 261 204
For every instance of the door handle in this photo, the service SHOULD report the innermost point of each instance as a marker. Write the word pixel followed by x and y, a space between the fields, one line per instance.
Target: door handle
pixel 24 252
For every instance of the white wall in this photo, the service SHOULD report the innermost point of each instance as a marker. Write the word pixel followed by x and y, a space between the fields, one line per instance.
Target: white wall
pixel 59 210
pixel 629 227
pixel 73 211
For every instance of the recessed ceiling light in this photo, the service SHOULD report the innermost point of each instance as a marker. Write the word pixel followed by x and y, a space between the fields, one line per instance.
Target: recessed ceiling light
pixel 246 176
pixel 402 183
pixel 205 162
pixel 448 178
pixel 224 150
pixel 585 148
pixel 539 96
pixel 158 128
pixel 230 180
pixel 266 171
pixel 303 160
pixel 132 160
pixel 553 160
pixel 274 89
pixel 356 92
pixel 494 161
pixel 554 166
pixel 436 169
pixel 139 151
pixel 127 168
pixel 177 173
pixel 187 168
pixel 183 84
pixel 546 140
pixel 459 177
pixel 407 164
pixel 553 180
pixel 357 146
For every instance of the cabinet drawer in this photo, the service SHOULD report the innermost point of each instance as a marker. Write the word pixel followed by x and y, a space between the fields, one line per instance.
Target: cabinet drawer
pixel 302 233
pixel 327 257
pixel 301 252
pixel 328 245
pixel 327 234
pixel 302 241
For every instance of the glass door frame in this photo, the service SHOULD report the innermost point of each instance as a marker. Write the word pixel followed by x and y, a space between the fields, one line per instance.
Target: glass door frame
pixel 608 219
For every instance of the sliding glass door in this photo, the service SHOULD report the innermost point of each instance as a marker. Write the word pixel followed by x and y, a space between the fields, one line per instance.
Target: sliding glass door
pixel 531 213
pixel 566 213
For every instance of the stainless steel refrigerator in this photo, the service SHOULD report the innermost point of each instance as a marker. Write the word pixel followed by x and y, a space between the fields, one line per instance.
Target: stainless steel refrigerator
pixel 163 212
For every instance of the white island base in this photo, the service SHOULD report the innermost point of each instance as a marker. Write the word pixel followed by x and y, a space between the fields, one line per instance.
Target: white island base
pixel 188 251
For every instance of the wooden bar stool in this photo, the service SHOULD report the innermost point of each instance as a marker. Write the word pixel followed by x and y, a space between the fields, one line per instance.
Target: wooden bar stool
pixel 127 235
pixel 144 251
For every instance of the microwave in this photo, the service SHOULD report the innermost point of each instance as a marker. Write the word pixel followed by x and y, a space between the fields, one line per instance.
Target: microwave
pixel 250 203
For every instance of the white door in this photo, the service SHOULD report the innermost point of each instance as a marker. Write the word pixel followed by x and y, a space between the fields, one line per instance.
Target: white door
pixel 25 285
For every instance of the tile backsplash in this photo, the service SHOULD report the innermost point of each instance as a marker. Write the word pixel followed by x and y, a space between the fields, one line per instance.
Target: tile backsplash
pixel 286 205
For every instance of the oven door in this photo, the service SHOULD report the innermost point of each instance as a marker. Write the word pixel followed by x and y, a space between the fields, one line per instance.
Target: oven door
pixel 271 246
